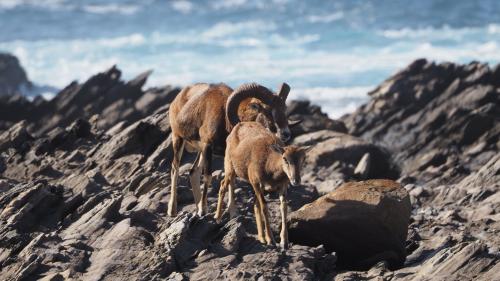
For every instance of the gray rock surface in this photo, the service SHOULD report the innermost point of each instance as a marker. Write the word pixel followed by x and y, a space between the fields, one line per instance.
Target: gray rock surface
pixel 104 96
pixel 84 184
pixel 440 122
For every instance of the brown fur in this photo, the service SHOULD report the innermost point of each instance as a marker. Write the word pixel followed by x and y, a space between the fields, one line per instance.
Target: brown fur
pixel 197 113
pixel 258 156
pixel 199 123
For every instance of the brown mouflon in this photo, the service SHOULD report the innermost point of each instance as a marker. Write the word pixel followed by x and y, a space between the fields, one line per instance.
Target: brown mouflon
pixel 259 157
pixel 201 117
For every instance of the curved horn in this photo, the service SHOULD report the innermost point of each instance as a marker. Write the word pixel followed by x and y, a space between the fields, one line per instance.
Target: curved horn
pixel 284 90
pixel 244 91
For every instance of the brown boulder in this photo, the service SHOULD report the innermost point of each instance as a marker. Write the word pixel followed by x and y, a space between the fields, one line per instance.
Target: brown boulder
pixel 363 222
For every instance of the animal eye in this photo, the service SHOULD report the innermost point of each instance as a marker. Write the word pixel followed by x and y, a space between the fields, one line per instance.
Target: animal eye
pixel 254 106
pixel 286 161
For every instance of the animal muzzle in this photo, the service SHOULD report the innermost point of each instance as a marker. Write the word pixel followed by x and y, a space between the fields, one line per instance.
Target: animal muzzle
pixel 295 180
pixel 284 134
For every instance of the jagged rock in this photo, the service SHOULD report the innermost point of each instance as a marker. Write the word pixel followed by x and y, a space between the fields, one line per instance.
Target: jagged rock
pixel 363 222
pixel 124 154
pixel 440 123
pixel 104 94
pixel 347 151
pixel 258 263
pixel 156 98
pixel 93 224
pixel 235 233
pixel 65 139
pixel 140 138
pixel 449 260
pixel 161 157
pixel 122 249
pixel 27 207
pixel 436 109
pixel 86 200
pixel 362 170
pixel 4 185
pixel 313 119
pixel 16 137
pixel 315 137
pixel 12 76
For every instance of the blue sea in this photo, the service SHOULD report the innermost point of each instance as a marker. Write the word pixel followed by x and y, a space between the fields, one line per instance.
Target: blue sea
pixel 331 52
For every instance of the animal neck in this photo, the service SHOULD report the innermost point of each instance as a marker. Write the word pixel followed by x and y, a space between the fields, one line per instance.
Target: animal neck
pixel 274 166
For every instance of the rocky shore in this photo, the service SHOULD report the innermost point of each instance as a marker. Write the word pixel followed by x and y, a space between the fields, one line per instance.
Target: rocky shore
pixel 405 188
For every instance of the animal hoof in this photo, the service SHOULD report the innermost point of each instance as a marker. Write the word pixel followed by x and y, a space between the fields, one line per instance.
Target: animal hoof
pixel 202 210
pixel 172 210
pixel 217 218
pixel 284 246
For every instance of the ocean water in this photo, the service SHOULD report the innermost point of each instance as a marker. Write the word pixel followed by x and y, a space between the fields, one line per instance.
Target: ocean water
pixel 331 52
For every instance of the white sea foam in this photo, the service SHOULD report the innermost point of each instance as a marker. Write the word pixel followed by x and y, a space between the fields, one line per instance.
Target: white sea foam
pixel 340 46
pixel 493 28
pixel 50 4
pixel 223 29
pixel 326 18
pixel 58 65
pixel 134 39
pixel 253 50
pixel 69 6
pixel 182 6
pixel 228 4
pixel 258 4
pixel 112 8
pixel 444 32
pixel 333 101
pixel 48 95
pixel 57 62
pixel 251 38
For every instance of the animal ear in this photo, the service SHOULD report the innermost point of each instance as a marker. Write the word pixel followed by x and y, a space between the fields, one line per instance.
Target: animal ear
pixel 276 147
pixel 292 123
pixel 283 91
pixel 255 106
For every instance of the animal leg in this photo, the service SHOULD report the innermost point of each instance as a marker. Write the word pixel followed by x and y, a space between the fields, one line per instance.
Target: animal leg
pixel 265 215
pixel 220 201
pixel 178 147
pixel 284 211
pixel 258 221
pixel 232 204
pixel 206 157
pixel 194 178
